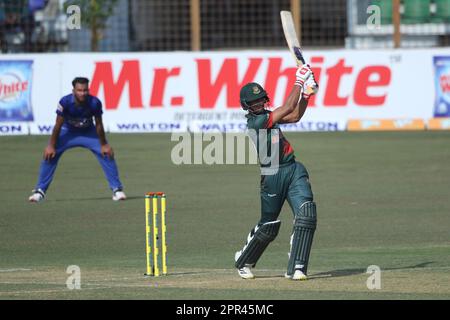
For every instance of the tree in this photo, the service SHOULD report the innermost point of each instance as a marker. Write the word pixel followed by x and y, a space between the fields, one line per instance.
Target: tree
pixel 94 14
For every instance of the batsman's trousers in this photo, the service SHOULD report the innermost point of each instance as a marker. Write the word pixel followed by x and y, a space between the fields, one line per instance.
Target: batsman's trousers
pixel 85 138
pixel 291 183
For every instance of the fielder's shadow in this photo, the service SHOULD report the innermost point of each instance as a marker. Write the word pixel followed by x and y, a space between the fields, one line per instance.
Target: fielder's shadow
pixel 355 271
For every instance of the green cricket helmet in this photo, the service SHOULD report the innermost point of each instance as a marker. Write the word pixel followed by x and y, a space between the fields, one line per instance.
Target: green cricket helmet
pixel 252 92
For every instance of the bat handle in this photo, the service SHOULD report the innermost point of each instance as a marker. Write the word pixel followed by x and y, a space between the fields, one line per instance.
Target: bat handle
pixel 312 90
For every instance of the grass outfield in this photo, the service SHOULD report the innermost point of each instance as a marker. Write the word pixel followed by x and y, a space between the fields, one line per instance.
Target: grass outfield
pixel 383 199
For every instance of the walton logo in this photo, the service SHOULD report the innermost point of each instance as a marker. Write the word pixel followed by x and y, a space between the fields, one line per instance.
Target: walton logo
pixel 11 87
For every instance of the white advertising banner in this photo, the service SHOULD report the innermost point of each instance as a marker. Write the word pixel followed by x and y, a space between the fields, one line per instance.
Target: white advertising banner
pixel 13 128
pixel 199 91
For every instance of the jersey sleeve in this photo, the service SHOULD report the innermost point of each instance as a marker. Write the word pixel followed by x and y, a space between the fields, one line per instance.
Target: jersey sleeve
pixel 264 121
pixel 97 109
pixel 60 108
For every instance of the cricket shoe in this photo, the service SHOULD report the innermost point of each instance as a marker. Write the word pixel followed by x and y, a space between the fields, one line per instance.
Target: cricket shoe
pixel 119 195
pixel 246 273
pixel 298 275
pixel 37 196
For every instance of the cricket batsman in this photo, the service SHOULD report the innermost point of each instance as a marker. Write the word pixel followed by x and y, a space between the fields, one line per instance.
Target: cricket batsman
pixel 289 182
pixel 75 127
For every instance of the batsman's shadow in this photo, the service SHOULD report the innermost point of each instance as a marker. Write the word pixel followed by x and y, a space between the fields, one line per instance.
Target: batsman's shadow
pixel 129 198
pixel 355 271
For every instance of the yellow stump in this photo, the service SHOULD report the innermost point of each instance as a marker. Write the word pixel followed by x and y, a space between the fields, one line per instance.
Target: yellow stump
pixel 155 236
pixel 147 235
pixel 163 234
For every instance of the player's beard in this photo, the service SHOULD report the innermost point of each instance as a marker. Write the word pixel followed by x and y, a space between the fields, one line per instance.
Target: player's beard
pixel 80 100
pixel 258 109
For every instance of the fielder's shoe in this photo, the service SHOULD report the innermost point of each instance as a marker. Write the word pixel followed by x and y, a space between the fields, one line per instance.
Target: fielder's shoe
pixel 37 196
pixel 246 273
pixel 119 195
pixel 298 275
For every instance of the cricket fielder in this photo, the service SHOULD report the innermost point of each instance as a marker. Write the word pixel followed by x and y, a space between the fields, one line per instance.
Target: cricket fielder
pixel 290 180
pixel 75 127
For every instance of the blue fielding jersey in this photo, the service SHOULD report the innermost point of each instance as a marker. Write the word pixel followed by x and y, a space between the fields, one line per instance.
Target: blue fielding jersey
pixel 79 116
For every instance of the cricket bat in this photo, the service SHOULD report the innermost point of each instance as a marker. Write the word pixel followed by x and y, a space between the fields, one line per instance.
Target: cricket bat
pixel 291 37
pixel 292 41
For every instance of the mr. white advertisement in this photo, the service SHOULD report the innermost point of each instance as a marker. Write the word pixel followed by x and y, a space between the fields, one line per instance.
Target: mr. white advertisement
pixel 442 86
pixel 187 91
pixel 15 90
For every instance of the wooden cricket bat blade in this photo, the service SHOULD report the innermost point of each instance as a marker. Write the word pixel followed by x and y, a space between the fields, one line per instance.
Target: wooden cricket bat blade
pixel 291 37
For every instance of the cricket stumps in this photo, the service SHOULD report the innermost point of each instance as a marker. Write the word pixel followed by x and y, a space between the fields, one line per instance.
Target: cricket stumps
pixel 155 222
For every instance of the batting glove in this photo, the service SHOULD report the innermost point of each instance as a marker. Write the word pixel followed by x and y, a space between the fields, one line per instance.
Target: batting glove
pixel 302 75
pixel 310 87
